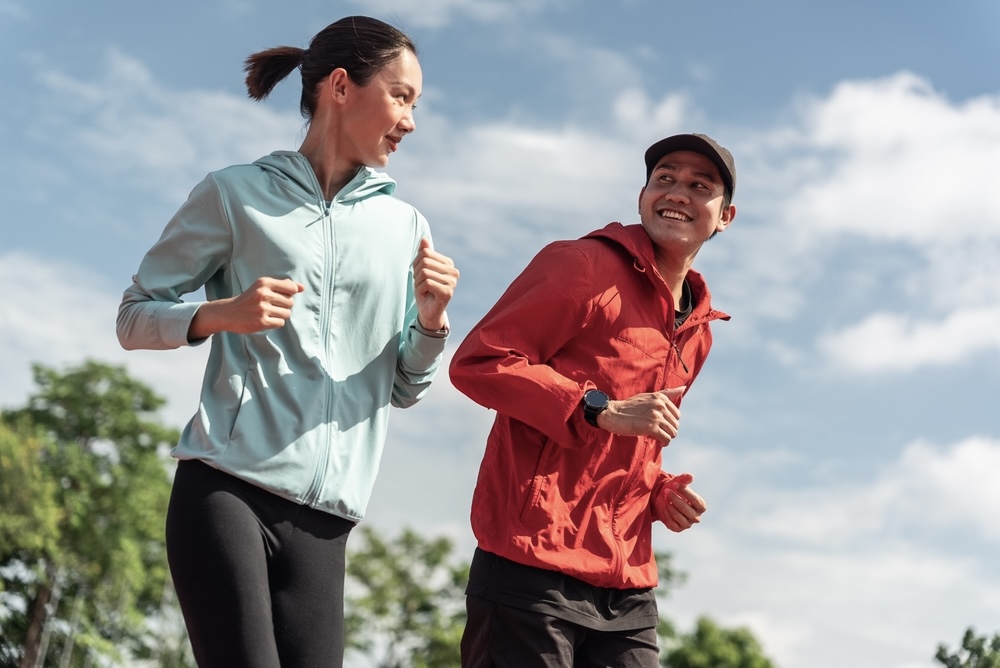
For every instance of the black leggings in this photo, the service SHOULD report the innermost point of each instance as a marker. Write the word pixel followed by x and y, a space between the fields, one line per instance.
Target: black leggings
pixel 260 579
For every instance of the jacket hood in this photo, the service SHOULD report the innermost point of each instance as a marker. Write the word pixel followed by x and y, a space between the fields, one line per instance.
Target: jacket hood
pixel 634 240
pixel 294 169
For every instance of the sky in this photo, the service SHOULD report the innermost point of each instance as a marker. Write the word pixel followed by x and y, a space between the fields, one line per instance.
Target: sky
pixel 845 431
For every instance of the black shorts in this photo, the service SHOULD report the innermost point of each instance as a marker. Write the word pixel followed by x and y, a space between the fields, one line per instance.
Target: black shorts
pixel 501 636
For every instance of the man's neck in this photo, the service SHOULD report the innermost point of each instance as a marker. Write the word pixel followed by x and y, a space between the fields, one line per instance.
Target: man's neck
pixel 673 272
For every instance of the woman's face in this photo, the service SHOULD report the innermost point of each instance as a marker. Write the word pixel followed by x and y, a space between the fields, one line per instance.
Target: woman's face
pixel 380 113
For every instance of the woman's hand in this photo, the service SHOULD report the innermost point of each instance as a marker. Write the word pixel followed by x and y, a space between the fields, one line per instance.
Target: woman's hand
pixel 434 281
pixel 266 304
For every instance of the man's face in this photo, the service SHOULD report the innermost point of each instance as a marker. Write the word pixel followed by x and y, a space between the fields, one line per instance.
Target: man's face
pixel 681 205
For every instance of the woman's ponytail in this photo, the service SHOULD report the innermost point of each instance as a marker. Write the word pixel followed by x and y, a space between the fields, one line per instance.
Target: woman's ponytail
pixel 266 68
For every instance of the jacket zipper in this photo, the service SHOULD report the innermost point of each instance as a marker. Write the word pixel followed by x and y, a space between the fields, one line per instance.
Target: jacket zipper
pixel 323 457
pixel 619 562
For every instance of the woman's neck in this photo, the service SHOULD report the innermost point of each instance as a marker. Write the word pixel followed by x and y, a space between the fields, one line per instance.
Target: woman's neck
pixel 320 149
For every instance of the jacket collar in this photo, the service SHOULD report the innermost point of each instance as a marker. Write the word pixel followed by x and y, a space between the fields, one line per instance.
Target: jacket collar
pixel 634 240
pixel 293 168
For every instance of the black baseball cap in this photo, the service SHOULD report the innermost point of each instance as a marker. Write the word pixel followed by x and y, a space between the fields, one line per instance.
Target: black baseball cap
pixel 698 143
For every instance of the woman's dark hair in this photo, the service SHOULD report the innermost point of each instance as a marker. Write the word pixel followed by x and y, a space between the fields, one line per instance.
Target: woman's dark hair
pixel 359 44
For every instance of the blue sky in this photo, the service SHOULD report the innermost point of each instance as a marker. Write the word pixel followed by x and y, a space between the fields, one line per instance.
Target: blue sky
pixel 845 431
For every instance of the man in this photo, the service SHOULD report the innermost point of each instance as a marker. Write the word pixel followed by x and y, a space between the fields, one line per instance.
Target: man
pixel 585 358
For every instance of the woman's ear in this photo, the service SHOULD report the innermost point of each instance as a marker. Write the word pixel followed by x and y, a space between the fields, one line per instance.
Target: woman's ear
pixel 337 84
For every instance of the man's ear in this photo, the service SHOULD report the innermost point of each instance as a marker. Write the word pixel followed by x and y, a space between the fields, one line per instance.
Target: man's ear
pixel 726 219
pixel 641 193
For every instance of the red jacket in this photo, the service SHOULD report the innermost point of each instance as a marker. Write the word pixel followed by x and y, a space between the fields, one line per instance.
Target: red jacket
pixel 553 491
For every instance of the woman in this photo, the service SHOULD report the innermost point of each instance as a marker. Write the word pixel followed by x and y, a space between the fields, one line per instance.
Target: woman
pixel 325 305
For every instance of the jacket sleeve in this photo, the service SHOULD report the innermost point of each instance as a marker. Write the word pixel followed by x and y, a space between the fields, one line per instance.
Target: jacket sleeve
pixel 196 243
pixel 503 363
pixel 659 487
pixel 420 350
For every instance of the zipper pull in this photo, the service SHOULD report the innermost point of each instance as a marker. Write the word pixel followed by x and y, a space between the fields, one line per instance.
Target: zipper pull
pixel 679 358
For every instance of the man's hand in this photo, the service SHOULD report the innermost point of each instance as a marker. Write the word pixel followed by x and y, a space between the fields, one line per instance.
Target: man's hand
pixel 653 414
pixel 434 281
pixel 266 304
pixel 677 505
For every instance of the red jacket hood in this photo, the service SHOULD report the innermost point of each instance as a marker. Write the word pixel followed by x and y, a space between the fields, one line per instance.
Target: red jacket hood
pixel 635 240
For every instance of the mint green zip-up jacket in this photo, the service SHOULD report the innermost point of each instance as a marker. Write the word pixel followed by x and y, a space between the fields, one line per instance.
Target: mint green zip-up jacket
pixel 302 410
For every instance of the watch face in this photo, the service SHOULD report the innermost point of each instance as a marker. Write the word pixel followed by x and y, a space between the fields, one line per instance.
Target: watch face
pixel 596 399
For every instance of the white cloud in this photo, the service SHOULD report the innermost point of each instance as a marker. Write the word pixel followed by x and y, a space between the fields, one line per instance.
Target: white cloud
pixel 636 114
pixel 901 163
pixel 889 342
pixel 127 125
pixel 961 479
pixel 928 491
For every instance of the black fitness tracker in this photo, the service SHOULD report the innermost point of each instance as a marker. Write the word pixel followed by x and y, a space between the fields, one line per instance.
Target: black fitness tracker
pixel 594 402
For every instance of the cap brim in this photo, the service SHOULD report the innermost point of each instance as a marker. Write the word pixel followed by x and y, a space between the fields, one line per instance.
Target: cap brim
pixel 689 142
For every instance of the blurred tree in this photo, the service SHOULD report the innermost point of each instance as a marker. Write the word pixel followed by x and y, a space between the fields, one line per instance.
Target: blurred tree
pixel 711 646
pixel 408 605
pixel 29 524
pixel 976 652
pixel 84 488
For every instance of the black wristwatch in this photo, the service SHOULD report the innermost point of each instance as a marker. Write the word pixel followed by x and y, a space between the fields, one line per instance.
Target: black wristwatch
pixel 594 403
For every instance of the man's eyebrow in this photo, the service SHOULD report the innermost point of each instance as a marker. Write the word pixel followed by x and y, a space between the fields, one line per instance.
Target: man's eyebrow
pixel 672 167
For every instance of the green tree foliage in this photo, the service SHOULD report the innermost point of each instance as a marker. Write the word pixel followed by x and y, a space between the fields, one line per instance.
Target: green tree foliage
pixel 711 646
pixel 31 514
pixel 976 652
pixel 84 488
pixel 28 524
pixel 405 604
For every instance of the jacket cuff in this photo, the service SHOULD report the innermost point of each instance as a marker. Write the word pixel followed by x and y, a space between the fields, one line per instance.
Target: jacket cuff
pixel 425 346
pixel 175 322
